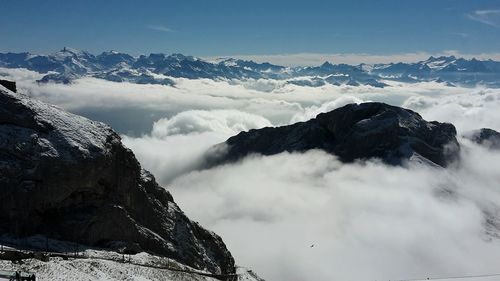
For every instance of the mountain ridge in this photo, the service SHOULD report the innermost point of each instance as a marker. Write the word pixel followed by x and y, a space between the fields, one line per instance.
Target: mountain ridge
pixel 69 64
pixel 352 132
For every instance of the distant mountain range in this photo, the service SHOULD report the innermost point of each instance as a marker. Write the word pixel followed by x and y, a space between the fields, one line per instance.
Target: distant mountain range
pixel 68 64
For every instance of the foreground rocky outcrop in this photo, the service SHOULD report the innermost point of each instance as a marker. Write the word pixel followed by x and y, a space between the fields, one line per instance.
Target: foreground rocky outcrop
pixel 355 131
pixel 70 178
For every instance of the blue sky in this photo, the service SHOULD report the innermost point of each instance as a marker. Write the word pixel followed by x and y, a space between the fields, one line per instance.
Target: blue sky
pixel 224 27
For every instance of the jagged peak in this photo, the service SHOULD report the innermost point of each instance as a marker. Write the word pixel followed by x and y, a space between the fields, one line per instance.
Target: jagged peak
pixel 73 51
pixel 180 57
pixel 112 52
pixel 326 64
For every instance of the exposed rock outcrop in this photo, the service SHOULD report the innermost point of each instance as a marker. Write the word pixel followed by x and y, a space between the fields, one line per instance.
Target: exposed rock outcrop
pixel 10 85
pixel 486 137
pixel 70 178
pixel 368 130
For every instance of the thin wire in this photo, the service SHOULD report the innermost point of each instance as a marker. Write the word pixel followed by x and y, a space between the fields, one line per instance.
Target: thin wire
pixel 450 277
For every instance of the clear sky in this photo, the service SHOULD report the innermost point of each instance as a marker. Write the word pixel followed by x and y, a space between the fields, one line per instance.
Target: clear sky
pixel 232 27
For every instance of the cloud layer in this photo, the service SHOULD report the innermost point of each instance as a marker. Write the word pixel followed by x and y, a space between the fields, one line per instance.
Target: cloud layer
pixel 228 122
pixel 307 216
pixel 177 145
pixel 367 221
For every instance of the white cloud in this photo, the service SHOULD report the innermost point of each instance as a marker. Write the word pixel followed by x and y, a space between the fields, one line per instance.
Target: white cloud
pixel 467 111
pixel 184 138
pixel 20 75
pixel 227 122
pixel 313 111
pixel 489 17
pixel 460 34
pixel 171 157
pixel 161 28
pixel 367 221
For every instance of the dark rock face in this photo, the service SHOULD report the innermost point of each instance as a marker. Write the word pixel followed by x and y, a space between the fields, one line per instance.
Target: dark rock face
pixel 368 130
pixel 70 178
pixel 10 85
pixel 487 137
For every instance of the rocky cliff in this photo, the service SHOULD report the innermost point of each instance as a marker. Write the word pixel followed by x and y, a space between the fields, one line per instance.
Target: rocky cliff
pixel 355 131
pixel 70 178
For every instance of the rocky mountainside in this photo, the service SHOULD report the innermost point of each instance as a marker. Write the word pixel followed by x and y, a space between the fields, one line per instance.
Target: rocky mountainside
pixel 70 178
pixel 68 64
pixel 355 131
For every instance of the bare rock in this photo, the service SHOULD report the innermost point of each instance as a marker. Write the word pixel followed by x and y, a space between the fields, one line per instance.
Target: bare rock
pixel 70 178
pixel 355 131
pixel 486 137
pixel 10 85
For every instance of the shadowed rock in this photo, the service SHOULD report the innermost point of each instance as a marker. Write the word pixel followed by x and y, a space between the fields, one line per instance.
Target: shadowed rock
pixel 70 178
pixel 368 130
pixel 10 85
pixel 486 137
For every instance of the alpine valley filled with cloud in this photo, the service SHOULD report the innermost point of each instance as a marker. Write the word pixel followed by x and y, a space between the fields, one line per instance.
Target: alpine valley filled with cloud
pixel 302 165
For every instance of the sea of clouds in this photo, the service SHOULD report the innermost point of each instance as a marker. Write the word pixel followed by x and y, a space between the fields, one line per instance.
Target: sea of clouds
pixel 306 216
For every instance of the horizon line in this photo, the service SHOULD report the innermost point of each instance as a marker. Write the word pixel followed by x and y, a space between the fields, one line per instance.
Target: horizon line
pixel 310 58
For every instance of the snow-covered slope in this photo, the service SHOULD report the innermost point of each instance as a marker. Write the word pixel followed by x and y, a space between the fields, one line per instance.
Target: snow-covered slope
pixel 109 266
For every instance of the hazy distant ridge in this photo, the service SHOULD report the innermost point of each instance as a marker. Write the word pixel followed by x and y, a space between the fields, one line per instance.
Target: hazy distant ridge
pixel 68 64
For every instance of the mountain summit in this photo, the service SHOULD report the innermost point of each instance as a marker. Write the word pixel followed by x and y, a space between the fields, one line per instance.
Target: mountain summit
pixel 355 131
